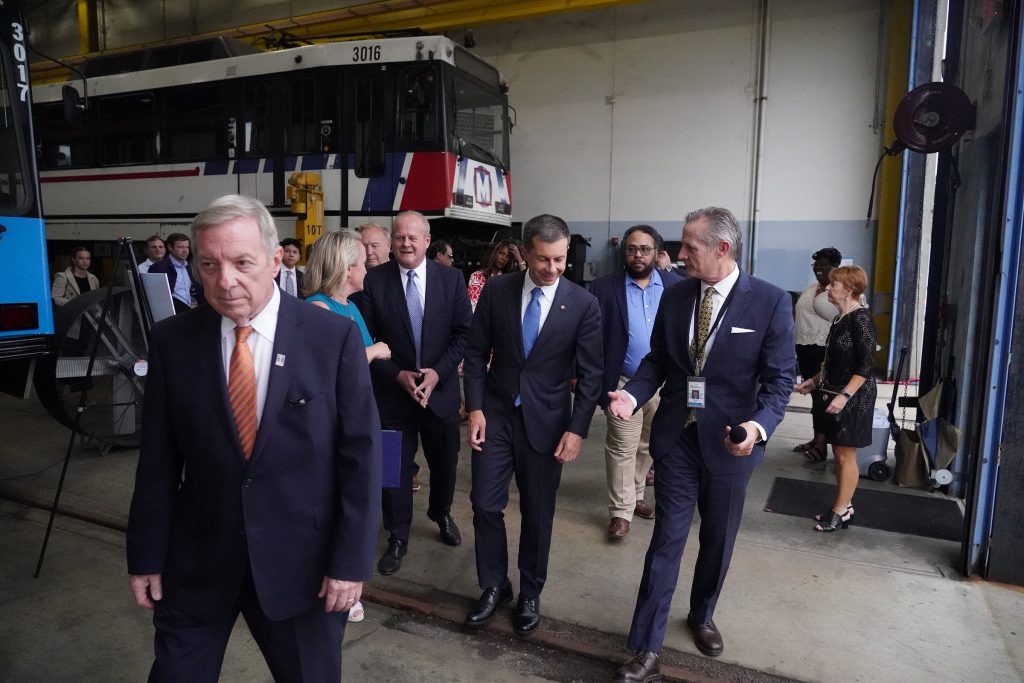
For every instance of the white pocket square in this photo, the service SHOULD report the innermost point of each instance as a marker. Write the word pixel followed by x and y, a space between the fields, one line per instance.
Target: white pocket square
pixel 740 330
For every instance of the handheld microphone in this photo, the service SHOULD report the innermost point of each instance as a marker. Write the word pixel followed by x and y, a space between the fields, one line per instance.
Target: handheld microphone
pixel 737 433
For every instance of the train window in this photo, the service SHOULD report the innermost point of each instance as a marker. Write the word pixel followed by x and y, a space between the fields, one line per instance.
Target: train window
pixel 304 118
pixel 195 118
pixel 330 111
pixel 417 115
pixel 480 126
pixel 256 134
pixel 61 145
pixel 369 129
pixel 127 130
pixel 12 185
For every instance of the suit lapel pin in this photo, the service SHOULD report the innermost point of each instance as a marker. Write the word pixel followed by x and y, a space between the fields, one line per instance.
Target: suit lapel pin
pixel 562 307
pixel 279 362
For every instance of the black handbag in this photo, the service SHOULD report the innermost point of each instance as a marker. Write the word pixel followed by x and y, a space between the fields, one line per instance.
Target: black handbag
pixel 822 397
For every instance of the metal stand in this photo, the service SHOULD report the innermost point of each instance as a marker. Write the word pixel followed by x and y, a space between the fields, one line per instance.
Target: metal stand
pixel 124 252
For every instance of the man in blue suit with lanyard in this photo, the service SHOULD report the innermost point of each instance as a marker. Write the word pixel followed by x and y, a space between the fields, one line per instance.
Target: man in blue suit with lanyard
pixel 723 347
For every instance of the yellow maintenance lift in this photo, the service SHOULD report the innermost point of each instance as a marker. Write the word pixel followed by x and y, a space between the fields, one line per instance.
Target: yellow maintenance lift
pixel 307 198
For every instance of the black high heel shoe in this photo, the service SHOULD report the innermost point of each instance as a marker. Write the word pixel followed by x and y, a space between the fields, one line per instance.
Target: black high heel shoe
pixel 834 521
pixel 828 513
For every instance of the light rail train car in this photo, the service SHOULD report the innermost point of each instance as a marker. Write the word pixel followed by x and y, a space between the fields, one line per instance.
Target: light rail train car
pixel 387 125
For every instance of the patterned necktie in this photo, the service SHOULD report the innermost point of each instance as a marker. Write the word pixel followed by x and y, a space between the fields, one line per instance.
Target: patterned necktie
pixel 242 390
pixel 531 321
pixel 698 350
pixel 700 340
pixel 289 282
pixel 412 300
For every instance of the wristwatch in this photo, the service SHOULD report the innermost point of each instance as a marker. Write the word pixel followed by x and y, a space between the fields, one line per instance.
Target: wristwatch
pixel 845 393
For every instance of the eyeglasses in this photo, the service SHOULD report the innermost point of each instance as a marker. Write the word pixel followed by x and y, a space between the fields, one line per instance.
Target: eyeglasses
pixel 633 250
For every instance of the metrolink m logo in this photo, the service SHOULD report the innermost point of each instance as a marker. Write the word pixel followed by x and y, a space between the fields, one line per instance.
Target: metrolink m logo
pixel 482 186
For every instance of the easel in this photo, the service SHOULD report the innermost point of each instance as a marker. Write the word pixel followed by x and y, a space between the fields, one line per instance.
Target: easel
pixel 124 253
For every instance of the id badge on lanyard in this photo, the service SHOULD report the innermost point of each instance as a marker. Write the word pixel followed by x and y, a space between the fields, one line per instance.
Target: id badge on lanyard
pixel 696 388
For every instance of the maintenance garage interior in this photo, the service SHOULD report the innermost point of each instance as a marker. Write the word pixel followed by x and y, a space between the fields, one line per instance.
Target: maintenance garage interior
pixel 624 112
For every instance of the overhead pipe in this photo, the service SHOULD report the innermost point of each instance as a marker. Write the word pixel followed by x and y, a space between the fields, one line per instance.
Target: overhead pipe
pixel 760 100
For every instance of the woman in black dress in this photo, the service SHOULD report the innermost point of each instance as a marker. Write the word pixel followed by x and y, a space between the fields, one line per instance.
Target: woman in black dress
pixel 847 385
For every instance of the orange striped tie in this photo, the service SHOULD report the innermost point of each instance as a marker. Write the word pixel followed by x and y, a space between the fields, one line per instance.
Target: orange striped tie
pixel 242 390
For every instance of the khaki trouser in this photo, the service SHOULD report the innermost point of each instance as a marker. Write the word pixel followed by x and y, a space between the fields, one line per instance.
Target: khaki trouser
pixel 627 457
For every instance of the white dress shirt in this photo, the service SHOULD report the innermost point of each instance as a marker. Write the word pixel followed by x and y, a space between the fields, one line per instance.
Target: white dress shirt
pixel 285 274
pixel 722 290
pixel 261 343
pixel 546 299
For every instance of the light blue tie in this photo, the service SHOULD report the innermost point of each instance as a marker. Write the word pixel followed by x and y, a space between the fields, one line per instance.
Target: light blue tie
pixel 531 327
pixel 531 321
pixel 412 300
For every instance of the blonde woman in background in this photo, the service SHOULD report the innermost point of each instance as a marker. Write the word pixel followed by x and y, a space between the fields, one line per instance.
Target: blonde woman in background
pixel 334 272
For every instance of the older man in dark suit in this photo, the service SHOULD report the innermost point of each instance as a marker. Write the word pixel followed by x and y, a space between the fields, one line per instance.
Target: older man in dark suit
pixel 421 311
pixel 629 302
pixel 544 332
pixel 259 476
pixel 723 347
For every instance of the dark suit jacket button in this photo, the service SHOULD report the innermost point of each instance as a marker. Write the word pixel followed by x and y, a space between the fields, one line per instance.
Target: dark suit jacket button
pixel 247 482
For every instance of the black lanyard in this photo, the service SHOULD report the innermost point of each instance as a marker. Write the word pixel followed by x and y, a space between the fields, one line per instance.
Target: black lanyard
pixel 718 318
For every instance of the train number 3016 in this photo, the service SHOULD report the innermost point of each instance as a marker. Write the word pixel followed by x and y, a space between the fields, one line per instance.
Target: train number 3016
pixel 366 53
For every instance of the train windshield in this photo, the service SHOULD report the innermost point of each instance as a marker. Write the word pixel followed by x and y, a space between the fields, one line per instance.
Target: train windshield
pixel 480 122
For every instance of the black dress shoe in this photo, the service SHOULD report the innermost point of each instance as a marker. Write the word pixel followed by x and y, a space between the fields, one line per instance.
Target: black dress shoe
pixel 490 600
pixel 527 617
pixel 706 637
pixel 644 668
pixel 449 531
pixel 391 561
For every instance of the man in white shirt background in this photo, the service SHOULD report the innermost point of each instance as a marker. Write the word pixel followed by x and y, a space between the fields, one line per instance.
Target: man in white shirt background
pixel 155 252
pixel 289 279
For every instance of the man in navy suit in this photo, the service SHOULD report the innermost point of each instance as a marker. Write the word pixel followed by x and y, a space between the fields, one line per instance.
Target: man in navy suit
pixel 259 475
pixel 289 278
pixel 186 293
pixel 421 311
pixel 544 331
pixel 629 302
pixel 723 348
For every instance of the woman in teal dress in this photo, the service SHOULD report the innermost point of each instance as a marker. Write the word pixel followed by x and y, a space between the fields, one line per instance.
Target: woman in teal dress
pixel 335 272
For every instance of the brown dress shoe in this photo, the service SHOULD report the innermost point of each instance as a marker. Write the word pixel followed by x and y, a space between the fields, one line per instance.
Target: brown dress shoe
pixel 643 510
pixel 415 483
pixel 706 637
pixel 644 668
pixel 618 529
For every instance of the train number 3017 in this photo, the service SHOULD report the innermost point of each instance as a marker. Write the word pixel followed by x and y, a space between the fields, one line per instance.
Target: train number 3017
pixel 366 53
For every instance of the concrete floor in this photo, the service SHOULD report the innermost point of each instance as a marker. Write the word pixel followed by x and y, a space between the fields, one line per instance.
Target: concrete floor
pixel 859 605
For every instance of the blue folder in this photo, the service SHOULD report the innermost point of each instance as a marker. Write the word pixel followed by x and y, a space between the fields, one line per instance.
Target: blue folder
pixel 391 447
